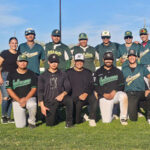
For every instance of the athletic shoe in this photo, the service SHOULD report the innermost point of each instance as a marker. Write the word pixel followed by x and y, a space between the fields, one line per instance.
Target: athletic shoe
pixel 69 125
pixel 4 120
pixel 92 123
pixel 86 117
pixel 148 120
pixel 124 122
pixel 140 115
pixel 115 117
pixel 10 120
pixel 31 126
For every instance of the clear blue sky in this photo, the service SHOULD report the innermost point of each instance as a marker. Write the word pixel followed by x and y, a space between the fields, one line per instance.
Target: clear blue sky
pixel 90 16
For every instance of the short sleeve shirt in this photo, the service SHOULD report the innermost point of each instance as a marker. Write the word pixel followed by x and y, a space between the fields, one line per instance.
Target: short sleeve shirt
pixel 34 55
pixel 21 84
pixel 9 63
pixel 134 81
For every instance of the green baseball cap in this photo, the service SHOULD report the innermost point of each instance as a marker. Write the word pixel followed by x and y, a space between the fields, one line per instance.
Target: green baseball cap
pixel 128 33
pixel 83 36
pixel 56 32
pixel 22 58
pixel 143 31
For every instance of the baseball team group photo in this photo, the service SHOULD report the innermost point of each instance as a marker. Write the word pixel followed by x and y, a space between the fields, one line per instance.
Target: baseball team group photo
pixel 56 95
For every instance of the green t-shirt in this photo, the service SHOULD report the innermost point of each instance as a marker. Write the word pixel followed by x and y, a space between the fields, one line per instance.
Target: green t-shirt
pixel 89 55
pixel 134 81
pixel 112 47
pixel 34 55
pixel 62 51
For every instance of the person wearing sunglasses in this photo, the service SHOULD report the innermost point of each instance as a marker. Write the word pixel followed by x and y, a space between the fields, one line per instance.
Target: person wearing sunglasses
pixel 34 51
pixel 105 46
pixel 128 45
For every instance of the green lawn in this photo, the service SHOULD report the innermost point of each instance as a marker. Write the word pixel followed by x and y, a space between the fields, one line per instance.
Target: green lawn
pixel 113 136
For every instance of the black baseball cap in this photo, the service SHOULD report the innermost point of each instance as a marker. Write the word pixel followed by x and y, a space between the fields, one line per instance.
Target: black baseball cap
pixel 53 58
pixel 132 52
pixel 108 56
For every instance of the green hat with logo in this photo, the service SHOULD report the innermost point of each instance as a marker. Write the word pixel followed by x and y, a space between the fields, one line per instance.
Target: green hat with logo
pixel 143 31
pixel 128 33
pixel 83 36
pixel 22 57
pixel 56 32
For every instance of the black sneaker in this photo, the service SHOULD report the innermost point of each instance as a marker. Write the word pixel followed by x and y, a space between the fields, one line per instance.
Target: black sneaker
pixel 69 125
pixel 31 126
pixel 10 120
pixel 4 120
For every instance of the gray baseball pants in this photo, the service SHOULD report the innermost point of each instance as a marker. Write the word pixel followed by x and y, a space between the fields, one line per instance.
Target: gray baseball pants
pixel 20 113
pixel 106 107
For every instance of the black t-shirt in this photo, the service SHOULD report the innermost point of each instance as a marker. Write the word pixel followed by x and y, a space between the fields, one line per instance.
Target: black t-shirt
pixel 9 63
pixel 81 81
pixel 21 84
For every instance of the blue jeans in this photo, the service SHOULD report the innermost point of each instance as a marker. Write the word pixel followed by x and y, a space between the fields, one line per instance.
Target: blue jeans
pixel 6 104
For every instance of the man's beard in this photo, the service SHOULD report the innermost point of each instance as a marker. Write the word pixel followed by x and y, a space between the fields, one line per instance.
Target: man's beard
pixel 108 66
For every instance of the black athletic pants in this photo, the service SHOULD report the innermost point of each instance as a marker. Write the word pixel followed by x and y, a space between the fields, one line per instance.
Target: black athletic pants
pixel 134 99
pixel 78 104
pixel 52 113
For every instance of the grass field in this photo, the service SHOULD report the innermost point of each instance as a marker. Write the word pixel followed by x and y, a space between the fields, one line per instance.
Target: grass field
pixel 113 136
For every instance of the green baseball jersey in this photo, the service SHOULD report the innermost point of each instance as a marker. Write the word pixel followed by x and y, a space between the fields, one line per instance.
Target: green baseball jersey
pixel 62 51
pixel 123 52
pixel 134 80
pixel 89 55
pixel 145 54
pixel 101 49
pixel 34 55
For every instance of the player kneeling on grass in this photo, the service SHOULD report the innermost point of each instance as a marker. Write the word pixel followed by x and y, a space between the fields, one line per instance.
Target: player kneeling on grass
pixel 21 86
pixel 109 84
pixel 135 86
pixel 81 81
pixel 53 87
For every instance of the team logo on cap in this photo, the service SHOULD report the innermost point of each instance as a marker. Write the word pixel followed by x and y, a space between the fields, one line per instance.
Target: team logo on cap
pixel 108 54
pixel 143 31
pixel 56 31
pixel 54 56
pixel 128 33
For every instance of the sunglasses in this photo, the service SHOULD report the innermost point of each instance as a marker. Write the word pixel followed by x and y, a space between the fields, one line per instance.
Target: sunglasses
pixel 105 37
pixel 143 34
pixel 128 37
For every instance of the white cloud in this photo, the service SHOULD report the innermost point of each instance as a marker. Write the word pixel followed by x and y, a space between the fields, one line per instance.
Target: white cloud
pixel 6 17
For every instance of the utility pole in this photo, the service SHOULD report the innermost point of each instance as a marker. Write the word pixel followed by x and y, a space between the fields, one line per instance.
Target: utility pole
pixel 60 18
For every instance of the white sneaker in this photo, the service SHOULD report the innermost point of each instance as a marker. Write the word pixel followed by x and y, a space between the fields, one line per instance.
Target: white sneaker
pixel 140 115
pixel 86 117
pixel 92 123
pixel 115 117
pixel 124 122
pixel 148 120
